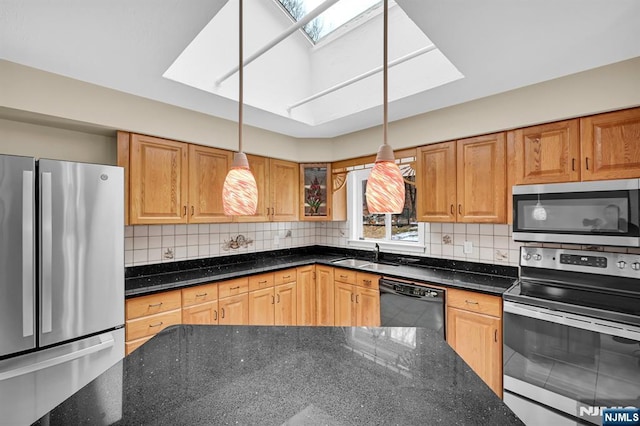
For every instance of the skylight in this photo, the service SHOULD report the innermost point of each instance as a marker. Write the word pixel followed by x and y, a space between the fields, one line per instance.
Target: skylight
pixel 332 19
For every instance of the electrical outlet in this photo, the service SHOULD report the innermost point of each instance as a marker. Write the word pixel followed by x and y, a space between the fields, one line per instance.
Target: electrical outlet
pixel 467 247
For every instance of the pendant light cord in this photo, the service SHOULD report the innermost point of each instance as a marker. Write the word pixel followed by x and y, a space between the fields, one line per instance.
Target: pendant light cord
pixel 385 71
pixel 240 76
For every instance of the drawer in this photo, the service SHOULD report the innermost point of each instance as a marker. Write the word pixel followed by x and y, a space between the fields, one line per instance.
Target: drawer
pixel 148 326
pixel 135 344
pixel 233 287
pixel 258 282
pixel 345 276
pixel 475 302
pixel 153 304
pixel 367 280
pixel 200 294
pixel 286 276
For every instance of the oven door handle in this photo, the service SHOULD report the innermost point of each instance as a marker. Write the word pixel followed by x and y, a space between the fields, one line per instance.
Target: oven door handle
pixel 570 320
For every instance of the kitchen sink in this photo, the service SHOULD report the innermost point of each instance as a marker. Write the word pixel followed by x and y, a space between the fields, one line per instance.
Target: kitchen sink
pixel 354 263
pixel 363 264
pixel 377 266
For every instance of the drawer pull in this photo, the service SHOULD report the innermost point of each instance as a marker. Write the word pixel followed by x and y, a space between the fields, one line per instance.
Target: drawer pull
pixel 344 276
pixel 366 282
pixel 262 282
pixel 287 277
pixel 156 325
pixel 234 288
pixel 202 295
pixel 471 302
pixel 155 305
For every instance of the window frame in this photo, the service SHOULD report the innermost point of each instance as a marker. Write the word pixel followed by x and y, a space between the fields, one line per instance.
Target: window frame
pixel 355 199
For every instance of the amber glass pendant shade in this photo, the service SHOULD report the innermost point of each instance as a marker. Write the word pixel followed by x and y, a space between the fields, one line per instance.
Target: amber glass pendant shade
pixel 385 186
pixel 240 192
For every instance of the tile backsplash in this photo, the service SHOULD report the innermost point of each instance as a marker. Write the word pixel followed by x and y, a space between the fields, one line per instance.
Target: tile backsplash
pixel 147 244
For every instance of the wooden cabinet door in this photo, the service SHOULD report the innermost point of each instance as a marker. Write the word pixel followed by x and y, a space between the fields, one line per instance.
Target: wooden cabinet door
pixel 436 182
pixel 477 338
pixel 260 168
pixel 367 307
pixel 611 145
pixel 262 307
pixel 306 296
pixel 324 296
pixel 285 313
pixel 208 169
pixel 547 153
pixel 481 182
pixel 344 305
pixel 204 313
pixel 284 190
pixel 158 180
pixel 316 194
pixel 234 310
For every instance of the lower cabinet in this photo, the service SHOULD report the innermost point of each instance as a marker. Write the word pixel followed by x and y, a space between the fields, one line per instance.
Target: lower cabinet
pixel 307 296
pixel 285 306
pixel 474 331
pixel 234 310
pixel 202 314
pixel 357 304
pixel 325 290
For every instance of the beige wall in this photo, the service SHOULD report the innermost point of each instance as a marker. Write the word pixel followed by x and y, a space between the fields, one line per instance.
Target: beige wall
pixel 608 88
pixel 615 86
pixel 33 140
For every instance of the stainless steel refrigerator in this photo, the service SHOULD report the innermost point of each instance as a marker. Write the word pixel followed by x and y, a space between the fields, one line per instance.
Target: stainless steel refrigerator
pixel 61 279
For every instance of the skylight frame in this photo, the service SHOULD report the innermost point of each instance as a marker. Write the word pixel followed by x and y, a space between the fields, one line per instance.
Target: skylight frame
pixel 354 22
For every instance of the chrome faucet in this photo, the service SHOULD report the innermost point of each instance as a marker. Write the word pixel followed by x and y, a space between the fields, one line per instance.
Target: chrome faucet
pixel 376 253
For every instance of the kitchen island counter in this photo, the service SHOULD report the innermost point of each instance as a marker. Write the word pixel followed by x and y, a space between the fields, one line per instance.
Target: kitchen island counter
pixel 277 375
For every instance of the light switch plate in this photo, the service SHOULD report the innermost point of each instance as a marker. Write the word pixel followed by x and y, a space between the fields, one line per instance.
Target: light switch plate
pixel 467 247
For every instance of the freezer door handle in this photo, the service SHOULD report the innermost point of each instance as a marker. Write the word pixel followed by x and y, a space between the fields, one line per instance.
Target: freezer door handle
pixel 27 253
pixel 47 248
pixel 57 360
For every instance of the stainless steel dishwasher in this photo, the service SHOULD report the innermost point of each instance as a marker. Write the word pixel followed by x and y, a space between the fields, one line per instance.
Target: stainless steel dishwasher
pixel 404 304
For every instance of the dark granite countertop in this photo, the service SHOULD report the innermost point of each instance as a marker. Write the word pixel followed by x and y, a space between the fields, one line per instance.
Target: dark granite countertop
pixel 196 375
pixel 483 278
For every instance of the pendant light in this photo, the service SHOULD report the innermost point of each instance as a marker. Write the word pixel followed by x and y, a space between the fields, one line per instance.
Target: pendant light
pixel 385 186
pixel 240 192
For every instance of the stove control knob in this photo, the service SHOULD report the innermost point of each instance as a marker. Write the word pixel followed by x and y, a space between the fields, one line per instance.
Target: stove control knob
pixel 526 256
pixel 621 264
pixel 537 257
pixel 635 266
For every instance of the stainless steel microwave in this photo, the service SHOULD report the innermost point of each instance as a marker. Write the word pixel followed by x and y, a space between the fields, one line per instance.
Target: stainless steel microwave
pixel 589 213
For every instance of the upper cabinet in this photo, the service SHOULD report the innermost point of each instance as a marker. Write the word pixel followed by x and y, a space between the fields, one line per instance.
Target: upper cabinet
pixel 610 145
pixel 174 182
pixel 315 191
pixel 463 181
pixel 547 153
pixel 158 179
pixel 284 190
pixel 481 182
pixel 208 169
pixel 436 182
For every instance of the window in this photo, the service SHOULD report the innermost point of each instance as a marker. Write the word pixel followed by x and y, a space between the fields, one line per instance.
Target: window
pixel 330 20
pixel 391 229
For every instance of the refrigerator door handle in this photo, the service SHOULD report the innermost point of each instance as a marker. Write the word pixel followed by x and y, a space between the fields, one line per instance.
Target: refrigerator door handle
pixel 47 248
pixel 27 253
pixel 57 360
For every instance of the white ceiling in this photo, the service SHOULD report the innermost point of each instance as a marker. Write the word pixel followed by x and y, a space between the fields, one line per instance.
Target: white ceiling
pixel 498 45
